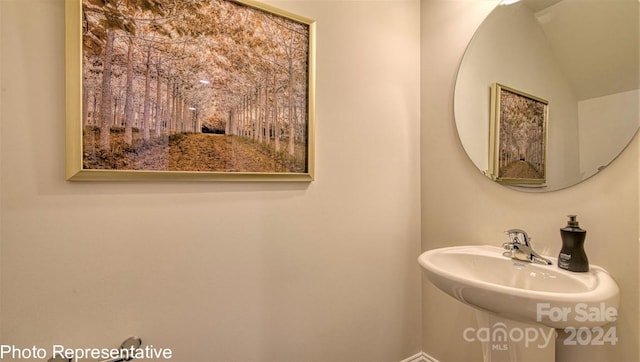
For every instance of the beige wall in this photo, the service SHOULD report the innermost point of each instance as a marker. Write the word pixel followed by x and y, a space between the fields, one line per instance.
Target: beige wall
pixel 598 141
pixel 324 271
pixel 460 206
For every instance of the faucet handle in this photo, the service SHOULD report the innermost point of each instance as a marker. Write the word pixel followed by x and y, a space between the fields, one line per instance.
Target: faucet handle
pixel 518 236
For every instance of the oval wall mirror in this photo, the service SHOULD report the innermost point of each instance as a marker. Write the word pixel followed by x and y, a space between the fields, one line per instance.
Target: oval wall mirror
pixel 547 93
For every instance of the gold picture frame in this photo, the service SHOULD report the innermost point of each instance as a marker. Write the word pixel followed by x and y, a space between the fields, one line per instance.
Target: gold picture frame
pixel 215 90
pixel 517 137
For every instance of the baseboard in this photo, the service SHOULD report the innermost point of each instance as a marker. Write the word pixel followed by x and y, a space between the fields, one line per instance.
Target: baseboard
pixel 420 357
pixel 428 358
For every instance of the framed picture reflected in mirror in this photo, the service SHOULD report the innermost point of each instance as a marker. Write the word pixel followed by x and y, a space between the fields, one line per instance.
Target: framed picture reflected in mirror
pixel 518 137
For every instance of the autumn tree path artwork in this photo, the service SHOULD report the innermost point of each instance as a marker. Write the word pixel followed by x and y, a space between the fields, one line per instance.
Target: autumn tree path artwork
pixel 200 85
pixel 522 137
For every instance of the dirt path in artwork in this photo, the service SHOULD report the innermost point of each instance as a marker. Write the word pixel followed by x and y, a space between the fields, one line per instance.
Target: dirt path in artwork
pixel 520 170
pixel 204 152
pixel 190 152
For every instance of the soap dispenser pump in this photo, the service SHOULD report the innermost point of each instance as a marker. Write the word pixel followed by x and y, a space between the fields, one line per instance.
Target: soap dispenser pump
pixel 572 256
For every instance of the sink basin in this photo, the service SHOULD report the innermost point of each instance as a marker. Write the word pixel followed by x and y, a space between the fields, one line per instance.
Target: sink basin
pixel 483 278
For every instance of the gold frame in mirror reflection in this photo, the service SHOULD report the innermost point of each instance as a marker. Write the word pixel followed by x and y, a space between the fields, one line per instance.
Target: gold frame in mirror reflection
pixel 517 137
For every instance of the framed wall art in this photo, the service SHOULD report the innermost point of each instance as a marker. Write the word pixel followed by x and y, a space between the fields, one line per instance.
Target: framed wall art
pixel 188 90
pixel 517 137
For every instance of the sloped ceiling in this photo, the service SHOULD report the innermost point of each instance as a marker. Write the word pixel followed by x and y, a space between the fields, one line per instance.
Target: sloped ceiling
pixel 596 42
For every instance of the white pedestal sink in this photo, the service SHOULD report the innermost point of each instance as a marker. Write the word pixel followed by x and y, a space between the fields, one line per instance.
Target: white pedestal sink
pixel 506 293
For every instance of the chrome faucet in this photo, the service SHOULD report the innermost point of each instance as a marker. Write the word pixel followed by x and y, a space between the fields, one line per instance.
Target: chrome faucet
pixel 519 247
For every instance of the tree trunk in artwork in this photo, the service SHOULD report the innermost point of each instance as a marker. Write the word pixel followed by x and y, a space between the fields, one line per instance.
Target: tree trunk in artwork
pixel 276 122
pixel 159 118
pixel 292 121
pixel 147 98
pixel 128 104
pixel 106 113
pixel 168 106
